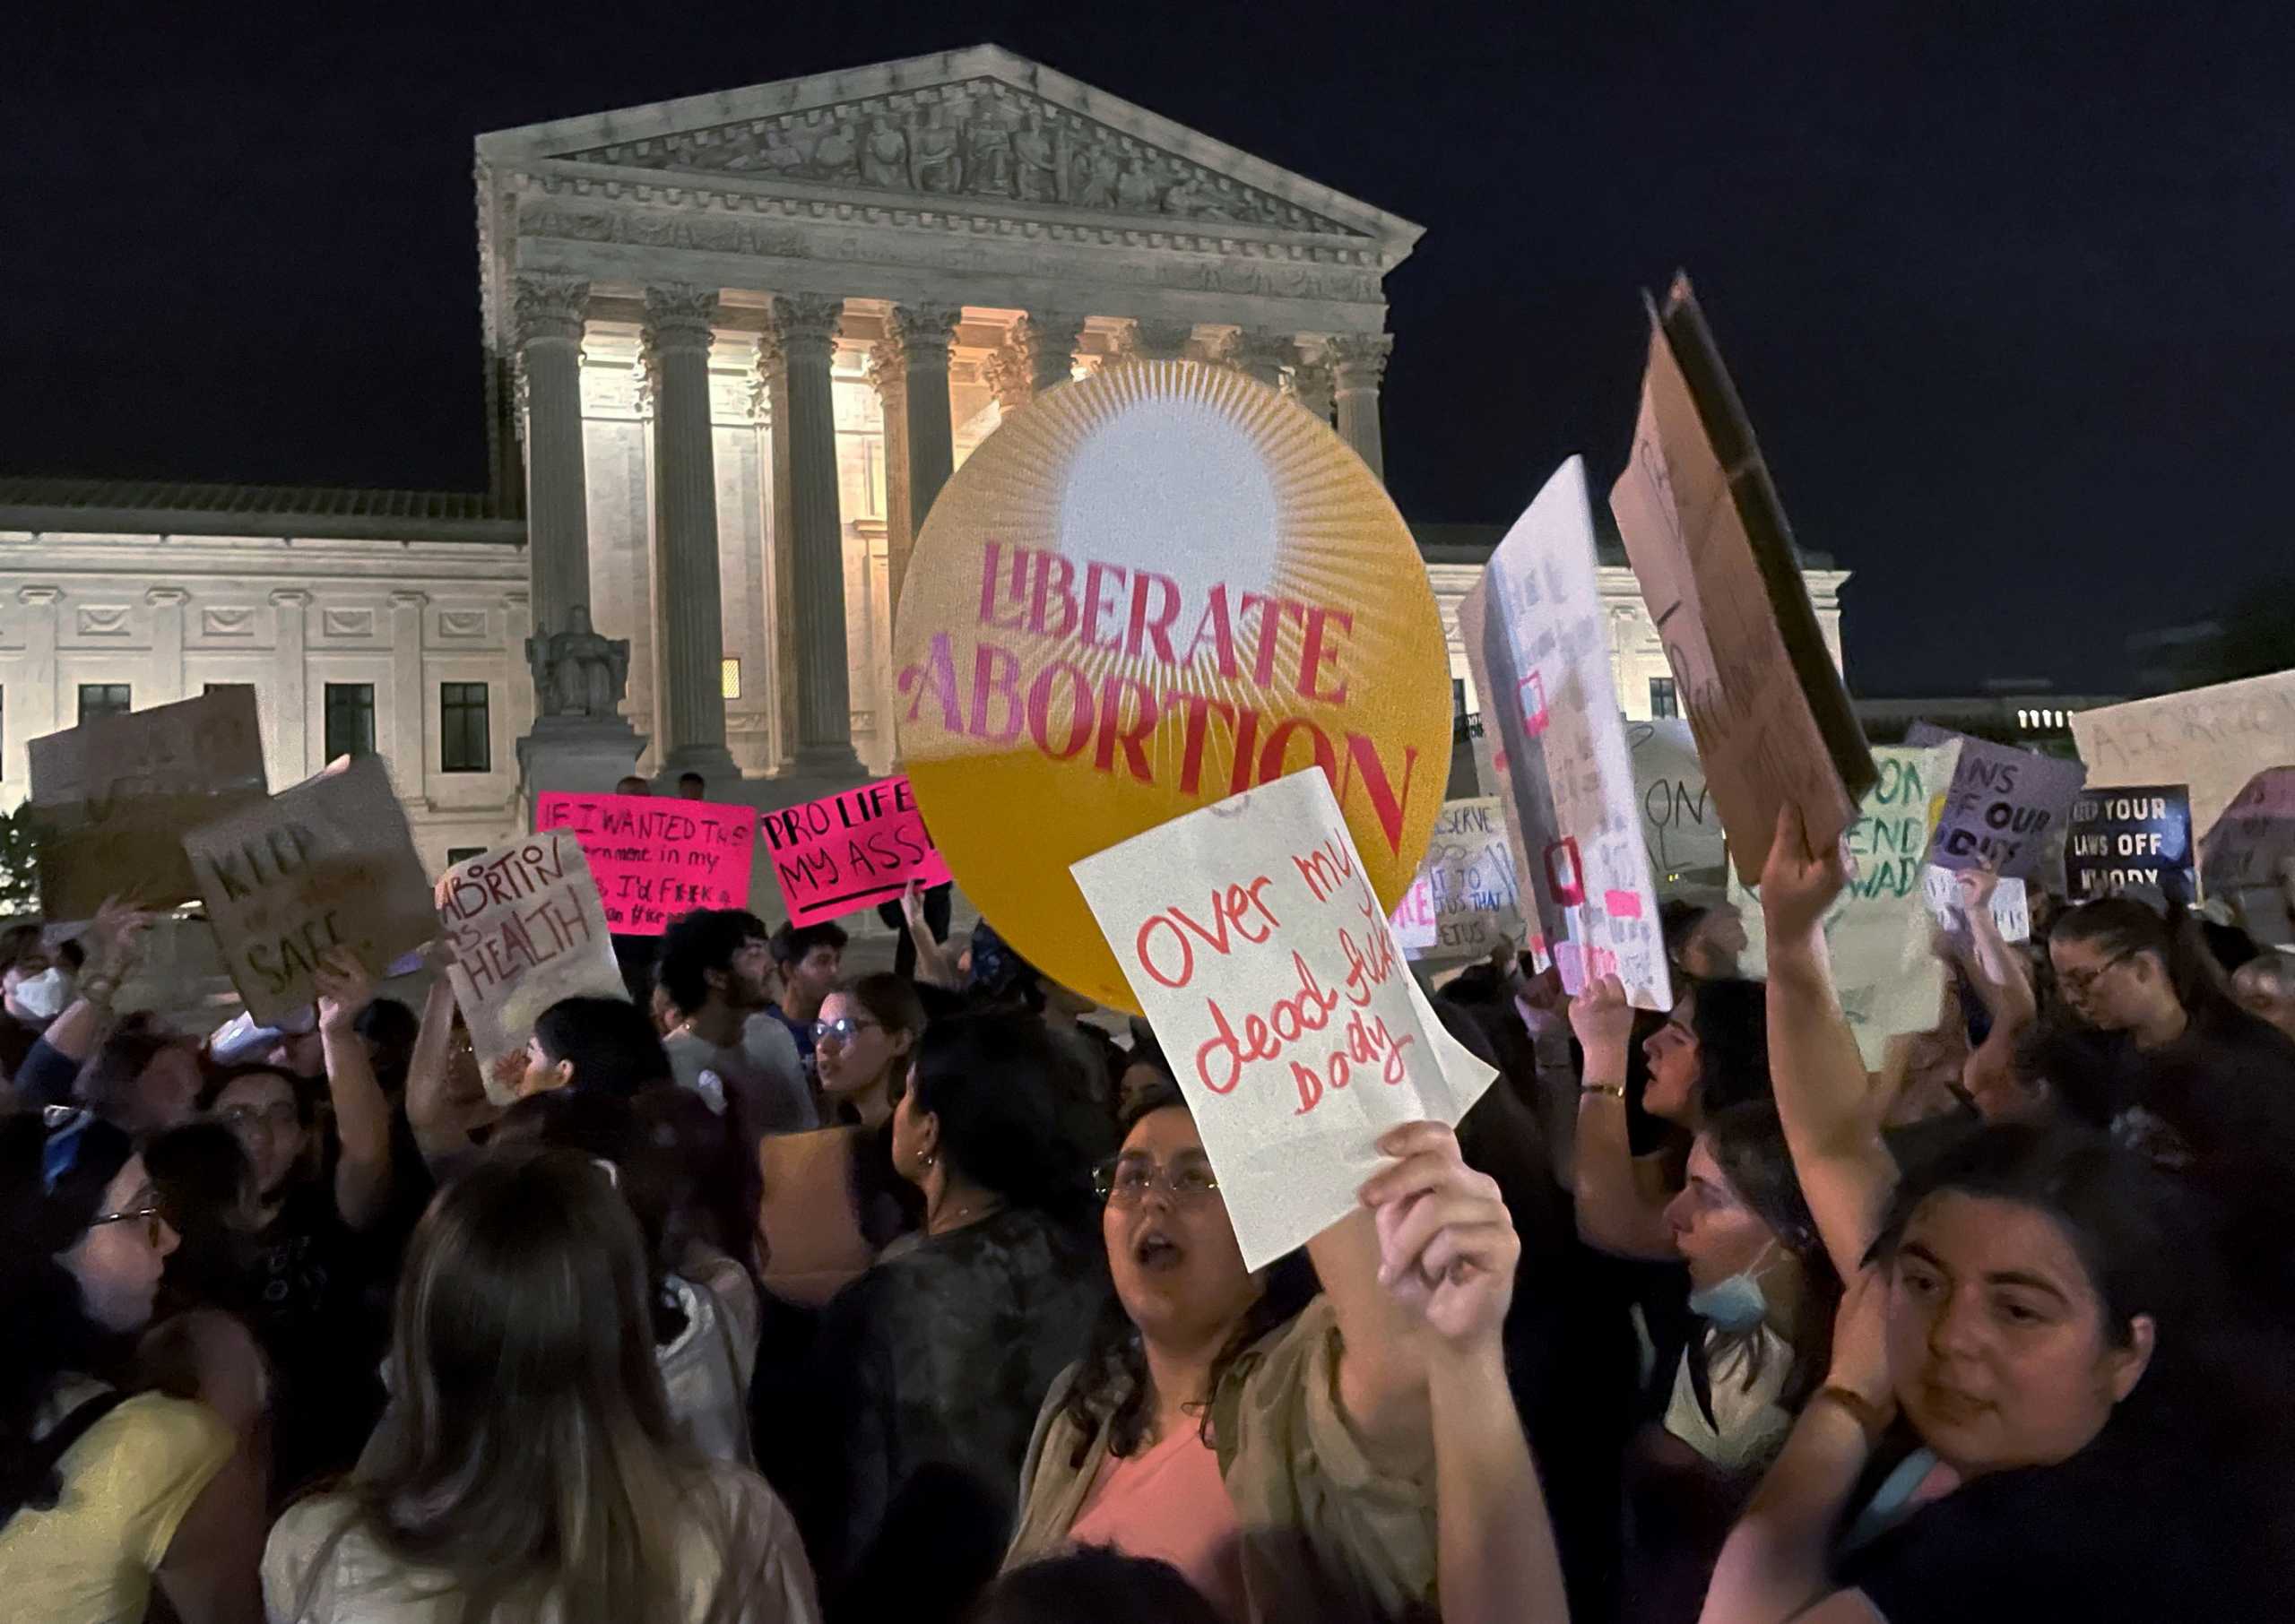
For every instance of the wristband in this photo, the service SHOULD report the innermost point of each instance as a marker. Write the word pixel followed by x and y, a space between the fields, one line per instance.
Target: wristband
pixel 1868 1416
pixel 1614 1091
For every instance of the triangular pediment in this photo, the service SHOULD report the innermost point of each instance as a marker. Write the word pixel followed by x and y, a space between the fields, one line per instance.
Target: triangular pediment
pixel 978 127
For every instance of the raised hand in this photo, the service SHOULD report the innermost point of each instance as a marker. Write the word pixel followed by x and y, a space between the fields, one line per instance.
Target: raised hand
pixel 1447 1248
pixel 344 987
pixel 1602 1017
pixel 1798 886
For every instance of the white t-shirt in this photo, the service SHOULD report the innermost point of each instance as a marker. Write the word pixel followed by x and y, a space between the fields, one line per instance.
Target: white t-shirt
pixel 1753 1424
pixel 361 1585
pixel 749 1070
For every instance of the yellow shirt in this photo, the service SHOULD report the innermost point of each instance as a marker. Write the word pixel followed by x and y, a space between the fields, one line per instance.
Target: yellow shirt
pixel 128 1483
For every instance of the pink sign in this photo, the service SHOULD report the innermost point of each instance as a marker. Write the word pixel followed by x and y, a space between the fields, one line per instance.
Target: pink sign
pixel 846 850
pixel 654 859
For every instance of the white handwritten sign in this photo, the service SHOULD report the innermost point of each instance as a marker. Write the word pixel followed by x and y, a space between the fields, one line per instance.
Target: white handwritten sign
pixel 1681 827
pixel 1708 543
pixel 1883 963
pixel 527 929
pixel 1250 935
pixel 1541 661
pixel 2212 739
pixel 1465 901
pixel 328 863
pixel 2011 909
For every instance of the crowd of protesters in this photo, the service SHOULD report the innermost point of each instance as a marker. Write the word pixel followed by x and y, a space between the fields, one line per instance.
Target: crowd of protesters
pixel 778 1293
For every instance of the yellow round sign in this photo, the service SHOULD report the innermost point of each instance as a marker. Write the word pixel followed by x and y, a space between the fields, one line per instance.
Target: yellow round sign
pixel 1147 591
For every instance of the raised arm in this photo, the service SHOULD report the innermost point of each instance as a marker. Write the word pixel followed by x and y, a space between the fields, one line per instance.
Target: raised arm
pixel 439 1131
pixel 936 966
pixel 1824 1098
pixel 114 942
pixel 1449 1273
pixel 2004 984
pixel 362 1115
pixel 1619 1209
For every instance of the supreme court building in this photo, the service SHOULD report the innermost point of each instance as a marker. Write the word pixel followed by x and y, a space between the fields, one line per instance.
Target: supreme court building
pixel 734 346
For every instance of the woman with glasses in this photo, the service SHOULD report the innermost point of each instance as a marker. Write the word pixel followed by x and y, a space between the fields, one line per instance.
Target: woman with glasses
pixel 105 1492
pixel 931 1368
pixel 304 1266
pixel 1273 1444
pixel 832 1201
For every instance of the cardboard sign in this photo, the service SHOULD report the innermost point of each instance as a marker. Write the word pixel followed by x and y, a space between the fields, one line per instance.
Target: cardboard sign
pixel 1147 591
pixel 2011 911
pixel 2243 860
pixel 1255 942
pixel 2212 740
pixel 653 859
pixel 2130 835
pixel 1681 827
pixel 850 851
pixel 329 863
pixel 1708 543
pixel 1539 649
pixel 110 800
pixel 2006 807
pixel 1464 902
pixel 527 929
pixel 1878 933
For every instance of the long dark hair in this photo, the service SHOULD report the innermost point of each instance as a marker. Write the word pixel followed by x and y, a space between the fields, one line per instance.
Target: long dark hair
pixel 1748 1143
pixel 611 1042
pixel 531 1462
pixel 1111 1385
pixel 2121 926
pixel 992 1081
pixel 52 1184
pixel 1731 1019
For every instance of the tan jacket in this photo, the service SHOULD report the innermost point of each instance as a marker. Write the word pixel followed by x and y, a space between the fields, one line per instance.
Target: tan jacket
pixel 1328 1533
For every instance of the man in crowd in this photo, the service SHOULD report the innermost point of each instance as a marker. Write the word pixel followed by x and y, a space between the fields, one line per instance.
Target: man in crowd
pixel 692 786
pixel 811 957
pixel 716 966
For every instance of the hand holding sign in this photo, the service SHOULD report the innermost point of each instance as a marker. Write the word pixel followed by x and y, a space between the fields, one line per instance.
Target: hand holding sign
pixel 1797 887
pixel 345 989
pixel 1447 1247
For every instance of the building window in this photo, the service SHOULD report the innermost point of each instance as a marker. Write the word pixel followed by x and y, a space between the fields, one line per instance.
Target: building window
pixel 1663 700
pixel 465 731
pixel 729 676
pixel 102 699
pixel 463 854
pixel 350 719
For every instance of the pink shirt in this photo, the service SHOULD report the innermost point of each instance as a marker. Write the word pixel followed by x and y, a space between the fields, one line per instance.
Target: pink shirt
pixel 1171 1504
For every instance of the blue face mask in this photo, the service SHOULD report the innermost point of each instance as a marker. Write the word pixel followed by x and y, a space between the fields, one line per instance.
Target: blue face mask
pixel 1736 1303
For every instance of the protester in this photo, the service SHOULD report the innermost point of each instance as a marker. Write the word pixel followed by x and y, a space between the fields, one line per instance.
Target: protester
pixel 940 1357
pixel 716 965
pixel 1704 941
pixel 530 1468
pixel 604 1046
pixel 2264 987
pixel 140 1078
pixel 633 783
pixel 810 958
pixel 920 916
pixel 115 946
pixel 692 786
pixel 831 1200
pixel 105 1492
pixel 34 989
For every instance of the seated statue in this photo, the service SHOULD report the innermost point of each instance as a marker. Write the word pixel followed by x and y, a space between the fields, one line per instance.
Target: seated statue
pixel 576 672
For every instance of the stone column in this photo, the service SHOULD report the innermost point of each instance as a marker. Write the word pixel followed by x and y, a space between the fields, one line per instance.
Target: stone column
pixel 1263 356
pixel 1308 381
pixel 410 754
pixel 41 611
pixel 804 325
pixel 690 613
pixel 550 311
pixel 1148 339
pixel 1359 361
pixel 769 391
pixel 167 643
pixel 910 368
pixel 291 747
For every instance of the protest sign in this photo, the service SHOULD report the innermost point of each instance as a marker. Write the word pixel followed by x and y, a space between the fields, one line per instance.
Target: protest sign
pixel 2010 912
pixel 526 929
pixel 1877 931
pixel 2005 804
pixel 1254 941
pixel 329 863
pixel 1464 902
pixel 652 858
pixel 1149 591
pixel 2210 740
pixel 111 798
pixel 2130 835
pixel 1537 642
pixel 1681 827
pixel 1708 543
pixel 849 850
pixel 2243 860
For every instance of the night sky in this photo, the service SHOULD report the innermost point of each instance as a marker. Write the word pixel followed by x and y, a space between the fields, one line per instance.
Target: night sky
pixel 2005 287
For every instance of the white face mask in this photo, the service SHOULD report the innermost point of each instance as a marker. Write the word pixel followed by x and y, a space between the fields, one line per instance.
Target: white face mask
pixel 44 996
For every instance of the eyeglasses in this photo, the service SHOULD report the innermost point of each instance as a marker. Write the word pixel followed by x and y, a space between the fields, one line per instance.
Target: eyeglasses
pixel 2079 983
pixel 1126 1182
pixel 844 1030
pixel 152 1218
pixel 280 1117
